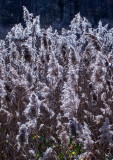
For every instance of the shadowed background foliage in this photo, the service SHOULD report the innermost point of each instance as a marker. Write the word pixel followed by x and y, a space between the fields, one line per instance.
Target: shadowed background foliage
pixel 57 13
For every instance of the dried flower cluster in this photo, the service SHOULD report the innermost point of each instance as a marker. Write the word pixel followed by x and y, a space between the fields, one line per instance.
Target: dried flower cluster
pixel 56 87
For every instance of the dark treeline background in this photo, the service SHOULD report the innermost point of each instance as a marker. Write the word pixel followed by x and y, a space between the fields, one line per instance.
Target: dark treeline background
pixel 57 13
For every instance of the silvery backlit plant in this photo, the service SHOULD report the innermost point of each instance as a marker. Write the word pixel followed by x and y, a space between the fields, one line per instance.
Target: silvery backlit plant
pixel 56 98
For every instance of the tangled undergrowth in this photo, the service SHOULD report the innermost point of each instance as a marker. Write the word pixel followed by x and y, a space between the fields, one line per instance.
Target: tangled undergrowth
pixel 56 98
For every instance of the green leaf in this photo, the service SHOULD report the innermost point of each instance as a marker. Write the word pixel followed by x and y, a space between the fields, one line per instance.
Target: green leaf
pixel 49 143
pixel 71 140
pixel 38 155
pixel 43 139
pixel 61 157
pixel 73 153
pixel 79 148
pixel 6 141
pixel 108 157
